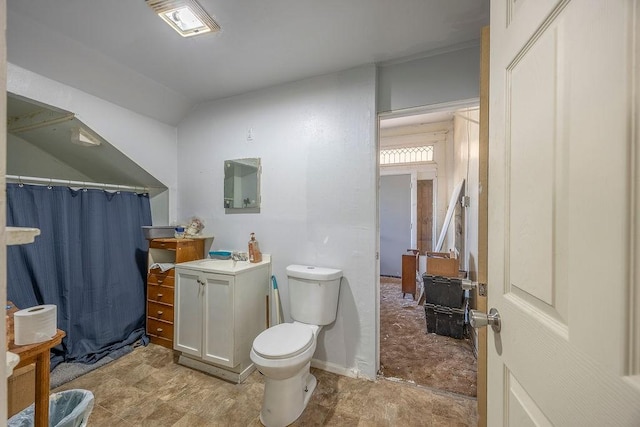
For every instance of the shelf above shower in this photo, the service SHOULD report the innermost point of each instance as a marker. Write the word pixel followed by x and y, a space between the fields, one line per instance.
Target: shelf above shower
pixel 21 235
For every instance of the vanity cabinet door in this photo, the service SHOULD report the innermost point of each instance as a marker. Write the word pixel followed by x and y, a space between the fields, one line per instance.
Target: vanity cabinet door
pixel 219 340
pixel 188 313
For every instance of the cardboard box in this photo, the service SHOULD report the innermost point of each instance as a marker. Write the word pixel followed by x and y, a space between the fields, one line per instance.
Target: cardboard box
pixel 21 389
pixel 442 264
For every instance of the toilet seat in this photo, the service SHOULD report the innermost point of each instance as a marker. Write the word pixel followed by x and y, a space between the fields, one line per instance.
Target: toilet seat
pixel 283 341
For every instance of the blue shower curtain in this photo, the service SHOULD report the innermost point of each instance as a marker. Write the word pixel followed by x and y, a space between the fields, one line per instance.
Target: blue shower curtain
pixel 89 260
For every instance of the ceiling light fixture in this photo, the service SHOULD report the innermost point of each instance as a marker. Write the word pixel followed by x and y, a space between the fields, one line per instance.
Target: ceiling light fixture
pixel 82 137
pixel 187 17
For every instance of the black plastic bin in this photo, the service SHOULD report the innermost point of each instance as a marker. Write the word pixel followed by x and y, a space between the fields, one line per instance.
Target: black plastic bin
pixel 445 321
pixel 445 291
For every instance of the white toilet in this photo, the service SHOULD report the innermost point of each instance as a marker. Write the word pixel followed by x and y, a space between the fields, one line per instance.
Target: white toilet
pixel 283 352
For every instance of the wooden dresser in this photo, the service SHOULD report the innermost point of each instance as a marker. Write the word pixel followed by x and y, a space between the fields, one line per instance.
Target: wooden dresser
pixel 409 268
pixel 161 285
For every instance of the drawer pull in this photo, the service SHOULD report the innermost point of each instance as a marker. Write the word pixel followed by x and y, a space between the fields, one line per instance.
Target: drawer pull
pixel 160 313
pixel 159 329
pixel 160 281
pixel 160 295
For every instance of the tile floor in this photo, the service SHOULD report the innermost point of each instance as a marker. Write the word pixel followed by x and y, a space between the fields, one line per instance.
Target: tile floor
pixel 146 388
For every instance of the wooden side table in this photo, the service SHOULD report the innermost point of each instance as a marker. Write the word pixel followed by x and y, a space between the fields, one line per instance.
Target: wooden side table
pixel 409 268
pixel 37 353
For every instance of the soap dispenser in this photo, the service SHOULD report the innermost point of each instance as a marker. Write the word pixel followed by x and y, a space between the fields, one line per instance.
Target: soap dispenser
pixel 254 249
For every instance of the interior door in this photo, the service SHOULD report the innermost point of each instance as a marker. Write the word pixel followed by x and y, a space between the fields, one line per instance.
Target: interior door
pixel 425 215
pixel 395 222
pixel 563 214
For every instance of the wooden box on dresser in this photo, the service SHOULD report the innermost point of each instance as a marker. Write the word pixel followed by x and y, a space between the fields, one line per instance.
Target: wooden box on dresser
pixel 161 285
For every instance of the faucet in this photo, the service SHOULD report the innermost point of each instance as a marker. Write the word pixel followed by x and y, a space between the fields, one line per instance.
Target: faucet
pixel 239 256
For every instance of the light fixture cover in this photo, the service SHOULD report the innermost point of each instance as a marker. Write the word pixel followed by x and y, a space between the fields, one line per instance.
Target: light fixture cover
pixel 187 17
pixel 82 137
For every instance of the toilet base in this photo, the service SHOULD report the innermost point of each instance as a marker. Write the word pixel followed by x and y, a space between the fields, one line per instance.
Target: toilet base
pixel 285 400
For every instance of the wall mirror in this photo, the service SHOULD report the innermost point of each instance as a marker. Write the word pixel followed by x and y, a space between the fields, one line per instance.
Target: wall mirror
pixel 242 186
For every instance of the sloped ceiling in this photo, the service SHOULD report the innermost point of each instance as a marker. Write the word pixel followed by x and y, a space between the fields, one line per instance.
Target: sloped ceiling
pixel 123 53
pixel 49 129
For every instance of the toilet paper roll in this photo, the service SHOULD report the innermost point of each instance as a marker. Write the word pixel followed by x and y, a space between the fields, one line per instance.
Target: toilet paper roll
pixel 34 324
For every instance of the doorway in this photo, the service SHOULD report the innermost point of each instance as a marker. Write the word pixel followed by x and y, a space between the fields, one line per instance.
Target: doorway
pixel 395 222
pixel 407 352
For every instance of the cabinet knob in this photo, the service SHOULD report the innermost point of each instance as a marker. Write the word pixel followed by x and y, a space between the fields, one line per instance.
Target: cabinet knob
pixel 160 313
pixel 159 329
pixel 160 295
pixel 160 281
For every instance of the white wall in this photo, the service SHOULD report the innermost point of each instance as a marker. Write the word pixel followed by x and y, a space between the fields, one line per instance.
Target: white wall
pixel 148 142
pixel 28 160
pixel 317 142
pixel 445 77
pixel 466 166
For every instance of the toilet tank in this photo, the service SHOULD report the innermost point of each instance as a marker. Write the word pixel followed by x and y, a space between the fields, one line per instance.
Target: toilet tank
pixel 313 293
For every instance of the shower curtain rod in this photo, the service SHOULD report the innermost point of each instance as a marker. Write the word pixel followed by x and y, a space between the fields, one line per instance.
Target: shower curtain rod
pixel 70 183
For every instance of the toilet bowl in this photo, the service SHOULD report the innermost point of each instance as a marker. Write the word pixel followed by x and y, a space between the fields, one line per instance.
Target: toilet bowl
pixel 283 352
pixel 283 355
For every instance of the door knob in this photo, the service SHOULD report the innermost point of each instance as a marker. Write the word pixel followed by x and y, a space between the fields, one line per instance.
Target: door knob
pixel 479 319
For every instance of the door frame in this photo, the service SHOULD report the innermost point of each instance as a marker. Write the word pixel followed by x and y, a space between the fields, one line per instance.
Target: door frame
pixel 483 229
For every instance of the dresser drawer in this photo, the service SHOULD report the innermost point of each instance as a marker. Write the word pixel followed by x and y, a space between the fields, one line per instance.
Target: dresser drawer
pixel 162 294
pixel 160 311
pixel 160 329
pixel 169 244
pixel 164 280
pixel 160 273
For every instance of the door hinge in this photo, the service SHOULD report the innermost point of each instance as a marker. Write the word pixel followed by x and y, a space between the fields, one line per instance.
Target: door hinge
pixel 482 289
pixel 465 201
pixel 377 255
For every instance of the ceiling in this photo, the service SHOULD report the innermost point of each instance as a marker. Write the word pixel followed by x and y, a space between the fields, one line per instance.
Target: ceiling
pixel 123 53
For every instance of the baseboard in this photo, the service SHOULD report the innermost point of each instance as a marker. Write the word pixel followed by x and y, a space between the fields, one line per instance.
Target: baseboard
pixel 225 374
pixel 335 369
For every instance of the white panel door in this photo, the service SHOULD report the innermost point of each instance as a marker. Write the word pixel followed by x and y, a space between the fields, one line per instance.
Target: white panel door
pixel 188 313
pixel 563 213
pixel 218 320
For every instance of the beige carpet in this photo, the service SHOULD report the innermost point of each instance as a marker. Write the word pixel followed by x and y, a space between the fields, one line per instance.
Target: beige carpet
pixel 409 353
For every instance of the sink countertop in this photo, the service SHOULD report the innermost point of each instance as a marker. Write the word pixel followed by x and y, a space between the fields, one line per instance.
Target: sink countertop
pixel 20 235
pixel 223 266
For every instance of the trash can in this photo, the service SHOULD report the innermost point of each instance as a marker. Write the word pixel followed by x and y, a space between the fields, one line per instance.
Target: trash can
pixel 70 408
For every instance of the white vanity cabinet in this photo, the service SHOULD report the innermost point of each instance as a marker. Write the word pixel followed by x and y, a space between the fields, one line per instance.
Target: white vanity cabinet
pixel 220 307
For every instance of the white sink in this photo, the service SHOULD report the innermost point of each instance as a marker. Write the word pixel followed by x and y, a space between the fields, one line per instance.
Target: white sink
pixel 222 265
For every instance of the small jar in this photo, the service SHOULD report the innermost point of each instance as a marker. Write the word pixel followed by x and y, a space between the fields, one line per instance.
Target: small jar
pixel 179 232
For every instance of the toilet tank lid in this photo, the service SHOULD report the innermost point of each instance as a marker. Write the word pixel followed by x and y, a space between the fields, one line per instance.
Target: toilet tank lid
pixel 313 273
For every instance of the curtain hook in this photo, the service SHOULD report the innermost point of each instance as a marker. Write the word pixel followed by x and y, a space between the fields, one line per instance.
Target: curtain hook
pixel 85 186
pixel 20 184
pixel 49 186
